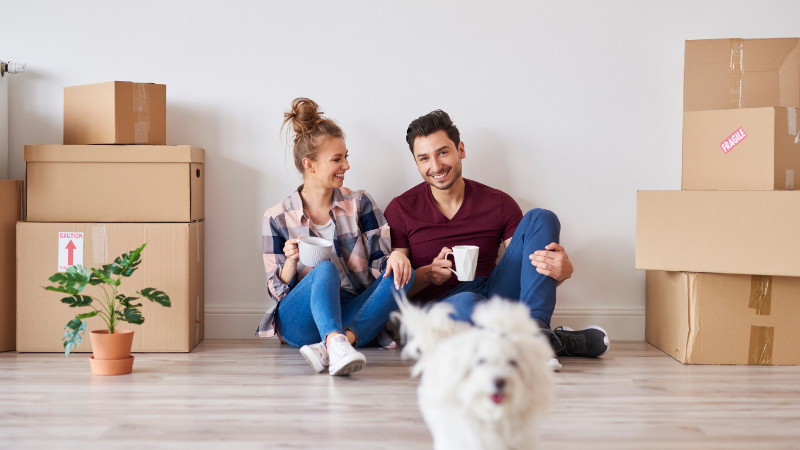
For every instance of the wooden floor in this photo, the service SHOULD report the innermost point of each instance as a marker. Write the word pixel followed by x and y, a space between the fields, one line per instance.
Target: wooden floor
pixel 257 394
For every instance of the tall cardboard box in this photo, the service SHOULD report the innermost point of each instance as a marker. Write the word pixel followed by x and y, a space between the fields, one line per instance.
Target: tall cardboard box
pixel 741 149
pixel 741 73
pixel 171 262
pixel 704 318
pixel 117 112
pixel 10 213
pixel 750 232
pixel 105 183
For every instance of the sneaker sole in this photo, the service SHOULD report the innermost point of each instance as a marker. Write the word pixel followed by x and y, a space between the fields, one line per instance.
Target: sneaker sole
pixel 605 337
pixel 349 367
pixel 311 358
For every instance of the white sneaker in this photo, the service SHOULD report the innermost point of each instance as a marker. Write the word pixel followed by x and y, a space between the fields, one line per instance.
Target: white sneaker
pixel 554 364
pixel 316 355
pixel 344 359
pixel 386 341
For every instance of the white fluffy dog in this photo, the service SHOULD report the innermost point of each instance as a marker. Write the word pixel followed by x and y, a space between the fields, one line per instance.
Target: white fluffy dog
pixel 484 386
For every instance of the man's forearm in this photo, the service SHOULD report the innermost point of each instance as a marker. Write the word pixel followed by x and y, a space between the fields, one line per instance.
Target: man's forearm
pixel 422 279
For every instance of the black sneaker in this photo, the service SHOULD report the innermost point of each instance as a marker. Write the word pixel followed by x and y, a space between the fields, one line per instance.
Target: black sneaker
pixel 553 363
pixel 590 342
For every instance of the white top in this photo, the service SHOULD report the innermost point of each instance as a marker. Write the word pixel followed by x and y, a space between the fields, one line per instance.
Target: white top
pixel 328 232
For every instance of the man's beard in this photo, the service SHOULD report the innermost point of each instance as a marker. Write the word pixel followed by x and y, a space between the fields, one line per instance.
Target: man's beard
pixel 449 185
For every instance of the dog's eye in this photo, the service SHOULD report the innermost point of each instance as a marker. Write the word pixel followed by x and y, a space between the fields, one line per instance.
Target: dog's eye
pixel 512 363
pixel 481 361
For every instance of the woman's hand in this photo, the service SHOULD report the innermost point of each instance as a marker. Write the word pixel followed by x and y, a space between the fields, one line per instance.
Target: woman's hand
pixel 401 266
pixel 292 253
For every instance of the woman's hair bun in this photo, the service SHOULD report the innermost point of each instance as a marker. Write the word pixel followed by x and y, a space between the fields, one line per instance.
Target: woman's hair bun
pixel 305 116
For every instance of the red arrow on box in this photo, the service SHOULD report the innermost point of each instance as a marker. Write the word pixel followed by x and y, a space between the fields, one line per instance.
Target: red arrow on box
pixel 70 248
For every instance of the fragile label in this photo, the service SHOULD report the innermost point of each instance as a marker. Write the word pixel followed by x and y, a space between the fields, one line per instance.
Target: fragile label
pixel 70 250
pixel 733 140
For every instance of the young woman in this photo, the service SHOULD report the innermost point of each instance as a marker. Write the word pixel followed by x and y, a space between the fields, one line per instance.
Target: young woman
pixel 341 303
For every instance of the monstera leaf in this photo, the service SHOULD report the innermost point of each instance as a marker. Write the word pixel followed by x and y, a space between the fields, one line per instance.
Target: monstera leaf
pixel 102 275
pixel 70 282
pixel 127 263
pixel 73 334
pixel 77 300
pixel 155 296
pixel 130 312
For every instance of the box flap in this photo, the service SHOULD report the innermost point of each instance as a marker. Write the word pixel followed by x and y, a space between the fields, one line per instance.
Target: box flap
pixel 114 153
pixel 741 73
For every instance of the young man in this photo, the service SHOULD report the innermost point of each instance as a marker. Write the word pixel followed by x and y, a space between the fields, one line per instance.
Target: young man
pixel 447 210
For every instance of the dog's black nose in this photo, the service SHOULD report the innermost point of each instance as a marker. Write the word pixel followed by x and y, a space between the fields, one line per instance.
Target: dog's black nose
pixel 499 383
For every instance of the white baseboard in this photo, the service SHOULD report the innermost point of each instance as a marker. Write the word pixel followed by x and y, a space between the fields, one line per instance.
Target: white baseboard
pixel 620 324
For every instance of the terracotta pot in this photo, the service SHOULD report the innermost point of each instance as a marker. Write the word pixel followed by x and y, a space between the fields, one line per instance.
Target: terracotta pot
pixel 111 346
pixel 111 366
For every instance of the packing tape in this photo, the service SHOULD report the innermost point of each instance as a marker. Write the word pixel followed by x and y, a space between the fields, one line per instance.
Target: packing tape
pixel 760 294
pixel 99 244
pixel 789 186
pixel 761 339
pixel 141 108
pixel 735 86
pixel 791 120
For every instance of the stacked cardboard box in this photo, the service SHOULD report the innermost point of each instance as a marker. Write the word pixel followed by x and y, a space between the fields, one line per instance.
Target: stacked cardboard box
pixel 10 213
pixel 91 201
pixel 721 254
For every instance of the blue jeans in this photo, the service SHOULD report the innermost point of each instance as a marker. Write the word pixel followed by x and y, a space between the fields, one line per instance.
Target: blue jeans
pixel 515 277
pixel 317 306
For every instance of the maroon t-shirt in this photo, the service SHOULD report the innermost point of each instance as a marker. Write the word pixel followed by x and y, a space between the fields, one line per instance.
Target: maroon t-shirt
pixel 486 218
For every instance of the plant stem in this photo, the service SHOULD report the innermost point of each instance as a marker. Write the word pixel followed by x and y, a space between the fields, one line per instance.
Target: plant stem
pixel 112 309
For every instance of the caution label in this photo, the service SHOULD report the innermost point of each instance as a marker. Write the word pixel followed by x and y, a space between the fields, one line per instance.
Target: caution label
pixel 70 250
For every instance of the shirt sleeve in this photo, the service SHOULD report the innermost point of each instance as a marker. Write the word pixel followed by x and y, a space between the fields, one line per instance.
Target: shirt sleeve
pixel 398 232
pixel 273 238
pixel 375 231
pixel 511 215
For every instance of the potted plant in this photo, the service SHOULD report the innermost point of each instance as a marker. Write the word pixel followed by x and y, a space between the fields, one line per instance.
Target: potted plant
pixel 112 306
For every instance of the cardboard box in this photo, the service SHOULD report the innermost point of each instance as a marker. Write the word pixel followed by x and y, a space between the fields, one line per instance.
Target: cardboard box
pixel 10 213
pixel 753 232
pixel 171 262
pixel 703 318
pixel 741 149
pixel 104 183
pixel 741 73
pixel 117 112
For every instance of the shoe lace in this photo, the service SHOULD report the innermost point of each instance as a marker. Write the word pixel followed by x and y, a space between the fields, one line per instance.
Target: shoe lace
pixel 555 342
pixel 340 347
pixel 572 343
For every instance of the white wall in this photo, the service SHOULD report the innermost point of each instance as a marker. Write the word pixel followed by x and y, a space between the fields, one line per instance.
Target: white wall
pixel 570 106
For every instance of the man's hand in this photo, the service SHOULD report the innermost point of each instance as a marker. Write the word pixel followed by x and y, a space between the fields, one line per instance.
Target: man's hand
pixel 552 262
pixel 440 267
pixel 399 264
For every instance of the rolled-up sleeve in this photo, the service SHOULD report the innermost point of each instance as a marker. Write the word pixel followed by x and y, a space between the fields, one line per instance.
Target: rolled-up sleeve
pixel 376 233
pixel 273 238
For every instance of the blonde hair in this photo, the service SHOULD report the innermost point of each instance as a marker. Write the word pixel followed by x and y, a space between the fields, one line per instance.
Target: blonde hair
pixel 310 128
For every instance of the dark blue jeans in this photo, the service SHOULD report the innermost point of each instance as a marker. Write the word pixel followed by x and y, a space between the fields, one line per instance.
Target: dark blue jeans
pixel 316 307
pixel 514 277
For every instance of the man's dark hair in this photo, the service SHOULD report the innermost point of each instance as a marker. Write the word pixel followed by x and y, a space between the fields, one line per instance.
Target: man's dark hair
pixel 431 123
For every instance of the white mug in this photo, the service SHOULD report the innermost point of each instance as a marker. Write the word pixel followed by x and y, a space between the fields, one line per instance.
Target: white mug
pixel 314 250
pixel 465 258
